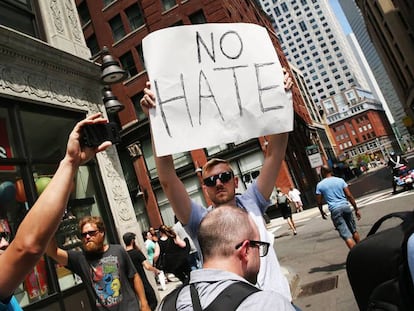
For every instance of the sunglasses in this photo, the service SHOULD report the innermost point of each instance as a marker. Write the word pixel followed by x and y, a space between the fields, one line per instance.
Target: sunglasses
pixel 263 246
pixel 6 236
pixel 223 177
pixel 90 233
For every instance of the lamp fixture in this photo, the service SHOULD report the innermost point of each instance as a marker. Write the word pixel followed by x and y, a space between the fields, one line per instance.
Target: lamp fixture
pixel 112 105
pixel 111 72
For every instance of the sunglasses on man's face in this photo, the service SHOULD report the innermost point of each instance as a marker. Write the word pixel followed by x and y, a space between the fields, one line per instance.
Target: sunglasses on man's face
pixel 90 233
pixel 224 177
pixel 5 235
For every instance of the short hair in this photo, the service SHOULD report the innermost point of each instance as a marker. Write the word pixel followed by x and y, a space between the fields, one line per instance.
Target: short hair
pixel 222 229
pixel 128 237
pixel 213 162
pixel 325 170
pixel 98 221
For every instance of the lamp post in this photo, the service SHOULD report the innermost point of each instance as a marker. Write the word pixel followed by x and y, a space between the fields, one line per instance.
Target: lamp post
pixel 112 73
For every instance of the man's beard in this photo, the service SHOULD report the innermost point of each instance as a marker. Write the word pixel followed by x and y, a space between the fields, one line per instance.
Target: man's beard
pixel 93 247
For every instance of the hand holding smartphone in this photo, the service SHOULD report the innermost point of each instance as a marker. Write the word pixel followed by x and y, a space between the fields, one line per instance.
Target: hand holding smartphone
pixel 95 134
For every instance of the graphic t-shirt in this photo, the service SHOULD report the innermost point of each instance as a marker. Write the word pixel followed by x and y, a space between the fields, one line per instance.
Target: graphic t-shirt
pixel 107 278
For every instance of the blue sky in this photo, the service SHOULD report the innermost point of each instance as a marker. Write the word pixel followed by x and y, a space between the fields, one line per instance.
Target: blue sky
pixel 340 15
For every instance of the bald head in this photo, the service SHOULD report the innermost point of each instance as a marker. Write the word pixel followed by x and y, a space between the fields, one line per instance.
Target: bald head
pixel 222 229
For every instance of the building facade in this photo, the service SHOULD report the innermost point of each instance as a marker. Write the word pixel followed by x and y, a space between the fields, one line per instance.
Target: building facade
pixel 122 25
pixel 359 126
pixel 313 41
pixel 384 89
pixel 391 27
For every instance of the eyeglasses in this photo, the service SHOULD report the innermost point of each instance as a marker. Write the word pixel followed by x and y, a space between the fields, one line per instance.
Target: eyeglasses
pixel 263 246
pixel 5 235
pixel 90 233
pixel 223 177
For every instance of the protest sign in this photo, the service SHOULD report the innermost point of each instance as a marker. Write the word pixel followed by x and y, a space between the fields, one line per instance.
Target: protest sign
pixel 214 84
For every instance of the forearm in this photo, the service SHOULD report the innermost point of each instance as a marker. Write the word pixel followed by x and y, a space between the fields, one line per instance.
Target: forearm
pixel 36 230
pixel 44 217
pixel 139 290
pixel 275 154
pixel 173 187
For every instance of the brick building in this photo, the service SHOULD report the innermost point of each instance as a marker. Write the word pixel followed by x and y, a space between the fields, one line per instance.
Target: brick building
pixel 121 26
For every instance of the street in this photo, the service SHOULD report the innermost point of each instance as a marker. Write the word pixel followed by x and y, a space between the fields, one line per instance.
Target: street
pixel 316 257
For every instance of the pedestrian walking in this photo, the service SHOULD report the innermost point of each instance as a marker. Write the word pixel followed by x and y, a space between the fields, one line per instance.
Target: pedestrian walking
pixel 336 193
pixel 294 195
pixel 283 201
pixel 140 262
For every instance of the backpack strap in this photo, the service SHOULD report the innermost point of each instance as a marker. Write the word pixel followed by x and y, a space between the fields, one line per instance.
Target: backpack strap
pixel 232 296
pixel 170 301
pixel 404 216
pixel 195 299
pixel 228 300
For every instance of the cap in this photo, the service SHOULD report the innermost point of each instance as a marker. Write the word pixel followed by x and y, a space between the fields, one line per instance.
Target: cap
pixel 128 237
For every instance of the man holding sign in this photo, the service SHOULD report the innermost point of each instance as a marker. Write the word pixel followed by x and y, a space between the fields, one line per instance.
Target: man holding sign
pixel 219 180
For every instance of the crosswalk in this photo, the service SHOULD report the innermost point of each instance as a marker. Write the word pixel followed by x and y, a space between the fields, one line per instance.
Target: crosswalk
pixel 381 196
pixel 278 227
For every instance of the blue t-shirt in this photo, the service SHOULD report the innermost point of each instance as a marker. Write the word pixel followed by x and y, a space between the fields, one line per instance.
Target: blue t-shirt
pixel 13 305
pixel 332 189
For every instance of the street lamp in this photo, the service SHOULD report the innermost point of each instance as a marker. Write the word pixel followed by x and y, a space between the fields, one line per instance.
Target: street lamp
pixel 111 73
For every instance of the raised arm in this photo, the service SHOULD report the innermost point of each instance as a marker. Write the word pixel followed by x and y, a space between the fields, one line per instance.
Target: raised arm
pixel 173 187
pixel 41 222
pixel 275 154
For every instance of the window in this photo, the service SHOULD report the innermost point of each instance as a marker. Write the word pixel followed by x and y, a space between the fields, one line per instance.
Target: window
pixel 44 133
pixel 84 13
pixel 277 11
pixel 135 16
pixel 198 18
pixel 303 26
pixel 118 31
pixel 168 4
pixel 141 55
pixel 128 64
pixel 106 2
pixel 19 16
pixel 92 44
pixel 284 7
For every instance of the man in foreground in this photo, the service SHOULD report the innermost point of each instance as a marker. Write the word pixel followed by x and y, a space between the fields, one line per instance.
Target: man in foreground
pixel 220 184
pixel 231 250
pixel 19 257
pixel 107 271
pixel 336 193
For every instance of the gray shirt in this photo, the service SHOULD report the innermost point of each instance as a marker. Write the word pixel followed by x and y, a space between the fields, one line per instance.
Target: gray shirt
pixel 211 282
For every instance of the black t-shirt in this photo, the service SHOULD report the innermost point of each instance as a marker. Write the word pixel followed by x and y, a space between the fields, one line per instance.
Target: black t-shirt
pixel 137 258
pixel 107 276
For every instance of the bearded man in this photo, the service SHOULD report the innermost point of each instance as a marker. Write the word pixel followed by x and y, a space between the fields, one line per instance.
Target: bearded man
pixel 107 271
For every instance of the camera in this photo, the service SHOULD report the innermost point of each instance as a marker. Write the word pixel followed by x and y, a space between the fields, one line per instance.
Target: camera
pixel 95 134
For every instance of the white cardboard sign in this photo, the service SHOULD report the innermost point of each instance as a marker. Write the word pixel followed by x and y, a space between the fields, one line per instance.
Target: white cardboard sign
pixel 214 84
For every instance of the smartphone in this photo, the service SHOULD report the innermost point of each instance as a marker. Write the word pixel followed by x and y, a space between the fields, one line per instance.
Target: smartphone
pixel 95 134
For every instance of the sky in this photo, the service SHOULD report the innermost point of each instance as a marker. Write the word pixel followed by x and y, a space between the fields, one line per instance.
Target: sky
pixel 341 17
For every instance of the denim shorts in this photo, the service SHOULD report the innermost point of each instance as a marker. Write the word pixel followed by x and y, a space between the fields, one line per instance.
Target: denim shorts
pixel 344 221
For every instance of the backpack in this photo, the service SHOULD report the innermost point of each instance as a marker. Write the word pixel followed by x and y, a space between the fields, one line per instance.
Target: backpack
pixel 378 270
pixel 229 299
